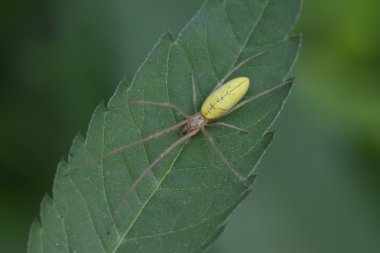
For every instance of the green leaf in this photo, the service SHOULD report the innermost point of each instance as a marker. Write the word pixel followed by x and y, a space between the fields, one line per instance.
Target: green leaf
pixel 182 205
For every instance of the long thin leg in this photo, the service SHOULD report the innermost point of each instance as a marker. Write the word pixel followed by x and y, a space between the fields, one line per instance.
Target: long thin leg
pixel 148 138
pixel 248 100
pixel 128 146
pixel 160 104
pixel 229 126
pixel 194 92
pixel 220 153
pixel 241 64
pixel 146 171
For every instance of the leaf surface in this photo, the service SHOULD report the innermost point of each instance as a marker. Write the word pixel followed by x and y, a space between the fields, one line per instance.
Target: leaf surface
pixel 182 205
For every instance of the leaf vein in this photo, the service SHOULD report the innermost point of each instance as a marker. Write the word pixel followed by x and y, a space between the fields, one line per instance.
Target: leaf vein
pixel 120 241
pixel 208 52
pixel 88 211
pixel 102 171
pixel 182 229
pixel 62 218
pixel 255 25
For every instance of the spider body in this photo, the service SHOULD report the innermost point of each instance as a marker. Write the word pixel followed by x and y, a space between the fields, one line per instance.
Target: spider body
pixel 219 102
pixel 194 123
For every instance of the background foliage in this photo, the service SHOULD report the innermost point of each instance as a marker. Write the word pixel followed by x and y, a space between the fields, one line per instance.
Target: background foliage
pixel 59 58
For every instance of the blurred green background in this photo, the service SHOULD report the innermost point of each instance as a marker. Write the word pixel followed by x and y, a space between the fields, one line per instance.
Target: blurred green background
pixel 318 189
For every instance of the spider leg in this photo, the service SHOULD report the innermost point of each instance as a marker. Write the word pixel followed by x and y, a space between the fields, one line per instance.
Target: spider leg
pixel 241 64
pixel 220 153
pixel 219 123
pixel 146 171
pixel 148 138
pixel 194 92
pixel 130 145
pixel 152 103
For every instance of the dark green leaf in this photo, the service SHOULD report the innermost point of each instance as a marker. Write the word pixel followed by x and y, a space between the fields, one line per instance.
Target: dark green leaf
pixel 183 204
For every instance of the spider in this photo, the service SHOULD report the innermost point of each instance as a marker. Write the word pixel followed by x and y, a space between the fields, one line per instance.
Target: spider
pixel 223 100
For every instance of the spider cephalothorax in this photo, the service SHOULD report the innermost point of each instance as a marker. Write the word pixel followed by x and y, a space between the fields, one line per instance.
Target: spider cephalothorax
pixel 194 123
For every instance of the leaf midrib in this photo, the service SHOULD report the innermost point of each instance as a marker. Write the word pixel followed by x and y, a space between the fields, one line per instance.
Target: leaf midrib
pixel 255 25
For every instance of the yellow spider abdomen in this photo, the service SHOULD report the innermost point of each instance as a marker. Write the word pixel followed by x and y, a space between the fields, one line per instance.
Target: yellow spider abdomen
pixel 224 98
